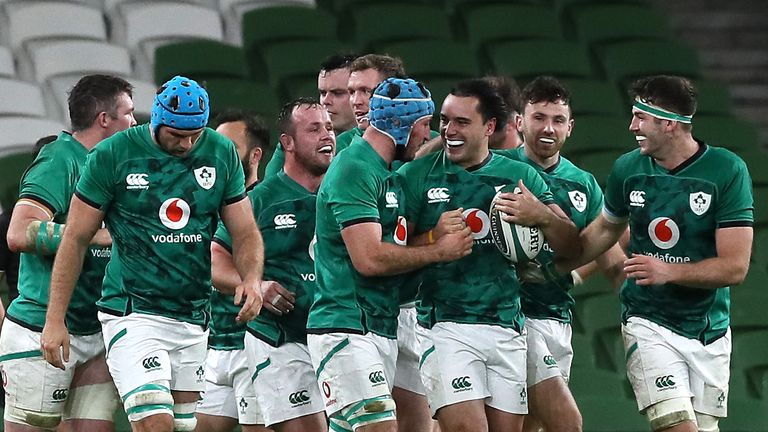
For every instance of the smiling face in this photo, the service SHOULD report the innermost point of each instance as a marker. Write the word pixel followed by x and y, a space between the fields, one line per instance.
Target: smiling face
pixel 464 131
pixel 312 142
pixel 545 127
pixel 649 132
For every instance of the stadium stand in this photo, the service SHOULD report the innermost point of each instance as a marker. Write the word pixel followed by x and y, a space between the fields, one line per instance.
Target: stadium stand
pixel 24 21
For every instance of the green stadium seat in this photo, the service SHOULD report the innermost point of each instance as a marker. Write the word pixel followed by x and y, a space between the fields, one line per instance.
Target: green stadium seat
pixel 303 62
pixel 712 98
pixel 725 131
pixel 750 357
pixel 757 163
pixel 379 24
pixel 594 133
pixel 748 309
pixel 604 414
pixel 623 62
pixel 346 7
pixel 520 21
pixel 304 87
pixel 425 60
pixel 12 165
pixel 241 94
pixel 599 318
pixel 183 58
pixel 589 96
pixel 599 164
pixel 527 59
pixel 601 23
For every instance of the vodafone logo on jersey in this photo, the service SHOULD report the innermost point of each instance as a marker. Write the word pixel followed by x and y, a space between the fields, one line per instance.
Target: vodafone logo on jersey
pixel 477 221
pixel 401 231
pixel 664 232
pixel 174 213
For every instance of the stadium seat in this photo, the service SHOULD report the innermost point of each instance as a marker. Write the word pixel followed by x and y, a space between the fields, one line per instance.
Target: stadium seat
pixel 21 98
pixel 12 165
pixel 725 131
pixel 233 10
pixel 625 61
pixel 748 309
pixel 750 356
pixel 24 21
pixel 183 58
pixel 757 163
pixel 20 133
pixel 527 59
pixel 458 7
pixel 265 26
pixel 598 163
pixel 521 21
pixel 712 98
pixel 304 63
pixel 599 318
pixel 598 133
pixel 303 87
pixel 426 60
pixel 7 66
pixel 242 94
pixel 600 23
pixel 589 96
pixel 392 25
pixel 45 59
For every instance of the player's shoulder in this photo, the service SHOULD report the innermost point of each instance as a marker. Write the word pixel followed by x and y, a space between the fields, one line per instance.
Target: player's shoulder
pixel 724 154
pixel 423 163
pixel 573 172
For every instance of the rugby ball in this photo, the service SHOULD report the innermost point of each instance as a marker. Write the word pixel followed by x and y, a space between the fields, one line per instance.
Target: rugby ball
pixel 516 242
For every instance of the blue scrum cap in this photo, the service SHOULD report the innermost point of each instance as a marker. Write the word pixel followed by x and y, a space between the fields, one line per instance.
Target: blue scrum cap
pixel 181 103
pixel 397 104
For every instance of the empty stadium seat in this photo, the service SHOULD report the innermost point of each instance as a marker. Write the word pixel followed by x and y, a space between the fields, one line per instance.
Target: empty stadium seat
pixel 520 21
pixel 7 66
pixel 712 98
pixel 304 63
pixel 20 133
pixel 21 98
pixel 12 165
pixel 599 317
pixel 725 131
pixel 378 24
pixel 426 59
pixel 28 20
pixel 45 59
pixel 264 26
pixel 748 309
pixel 625 61
pixel 757 163
pixel 222 60
pixel 594 133
pixel 750 357
pixel 233 11
pixel 527 59
pixel 242 94
pixel 600 23
pixel 589 96
pixel 598 163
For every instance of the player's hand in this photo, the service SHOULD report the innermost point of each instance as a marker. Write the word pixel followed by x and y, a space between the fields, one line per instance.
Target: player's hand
pixel 277 299
pixel 450 221
pixel 249 294
pixel 521 208
pixel 647 270
pixel 530 272
pixel 54 343
pixel 455 245
pixel 102 238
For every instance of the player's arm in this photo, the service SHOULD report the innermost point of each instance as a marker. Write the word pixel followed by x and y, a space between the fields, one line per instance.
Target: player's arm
pixel 32 230
pixel 595 239
pixel 85 220
pixel 373 257
pixel 611 263
pixel 248 254
pixel 729 267
pixel 430 146
pixel 450 221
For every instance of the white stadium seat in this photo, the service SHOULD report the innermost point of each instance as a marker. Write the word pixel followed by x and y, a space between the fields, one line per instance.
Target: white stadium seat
pixel 20 98
pixel 7 66
pixel 27 20
pixel 58 88
pixel 51 58
pixel 23 132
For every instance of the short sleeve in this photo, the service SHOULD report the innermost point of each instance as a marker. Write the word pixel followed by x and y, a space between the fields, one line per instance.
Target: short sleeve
pixel 49 180
pixel 353 195
pixel 95 186
pixel 615 204
pixel 735 202
pixel 234 190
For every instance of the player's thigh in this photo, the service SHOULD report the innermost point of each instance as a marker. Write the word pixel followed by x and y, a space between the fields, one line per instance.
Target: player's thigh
pixel 506 353
pixel 709 374
pixel 218 398
pixel 541 361
pixel 407 376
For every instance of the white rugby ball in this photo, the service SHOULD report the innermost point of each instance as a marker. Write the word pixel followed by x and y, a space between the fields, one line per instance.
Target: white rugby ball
pixel 516 242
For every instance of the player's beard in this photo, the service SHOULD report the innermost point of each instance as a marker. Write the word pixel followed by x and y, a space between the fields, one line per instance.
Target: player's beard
pixel 246 169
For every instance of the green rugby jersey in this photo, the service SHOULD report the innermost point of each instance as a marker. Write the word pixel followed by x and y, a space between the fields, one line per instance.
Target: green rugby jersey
pixel 285 213
pixel 481 288
pixel 358 188
pixel 162 212
pixel 579 195
pixel 673 216
pixel 50 180
pixel 277 161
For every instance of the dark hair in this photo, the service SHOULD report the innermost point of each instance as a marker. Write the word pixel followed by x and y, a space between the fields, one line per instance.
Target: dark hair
pixel 386 65
pixel 491 105
pixel 285 117
pixel 42 142
pixel 337 61
pixel 508 89
pixel 94 94
pixel 255 128
pixel 673 93
pixel 546 89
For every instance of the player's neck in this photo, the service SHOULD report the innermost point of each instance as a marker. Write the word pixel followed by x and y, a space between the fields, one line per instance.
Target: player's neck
pixel 680 150
pixel 543 162
pixel 302 176
pixel 381 144
pixel 88 137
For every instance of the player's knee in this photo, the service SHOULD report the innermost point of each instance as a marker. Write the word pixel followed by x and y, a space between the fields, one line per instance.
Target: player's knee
pixel 36 419
pixel 671 412
pixel 148 400
pixel 369 411
pixel 707 423
pixel 184 417
pixel 93 402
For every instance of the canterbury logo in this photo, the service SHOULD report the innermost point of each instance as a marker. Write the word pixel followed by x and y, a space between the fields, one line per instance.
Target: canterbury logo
pixel 137 181
pixel 549 360
pixel 285 221
pixel 150 363
pixel 376 377
pixel 439 194
pixel 665 381
pixel 461 383
pixel 60 394
pixel 637 198
pixel 298 397
pixel 391 198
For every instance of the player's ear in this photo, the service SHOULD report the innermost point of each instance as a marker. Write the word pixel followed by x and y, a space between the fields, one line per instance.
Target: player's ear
pixel 286 141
